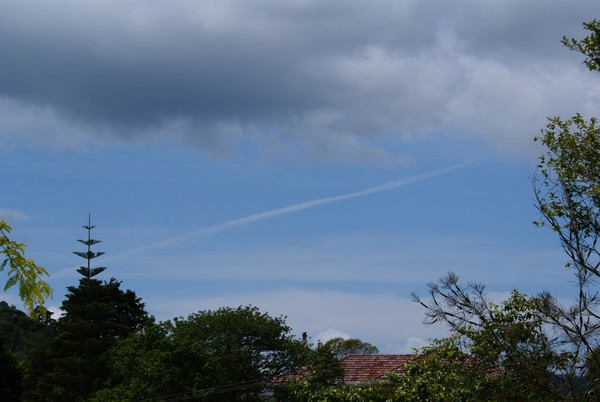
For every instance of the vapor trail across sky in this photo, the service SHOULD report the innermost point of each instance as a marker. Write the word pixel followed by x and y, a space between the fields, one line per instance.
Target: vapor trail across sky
pixel 294 208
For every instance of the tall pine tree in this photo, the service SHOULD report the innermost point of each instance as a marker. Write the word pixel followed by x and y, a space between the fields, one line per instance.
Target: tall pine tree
pixel 96 315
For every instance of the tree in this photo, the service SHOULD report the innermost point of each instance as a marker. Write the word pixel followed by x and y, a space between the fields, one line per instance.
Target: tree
pixel 342 393
pixel 588 46
pixel 11 382
pixel 343 347
pixel 592 372
pixel 97 315
pixel 24 339
pixel 223 355
pixel 318 379
pixel 567 196
pixel 445 371
pixel 23 271
pixel 21 334
pixel 323 367
pixel 151 364
pixel 507 343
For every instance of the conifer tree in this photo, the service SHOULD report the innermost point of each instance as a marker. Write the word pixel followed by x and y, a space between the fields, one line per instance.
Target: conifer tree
pixel 89 255
pixel 97 315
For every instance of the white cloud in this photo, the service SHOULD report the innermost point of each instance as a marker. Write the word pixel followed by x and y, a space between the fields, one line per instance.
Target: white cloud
pixel 526 95
pixel 13 214
pixel 328 334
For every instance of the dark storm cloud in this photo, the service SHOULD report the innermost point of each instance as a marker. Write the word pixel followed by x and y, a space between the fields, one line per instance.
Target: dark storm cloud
pixel 132 65
pixel 332 75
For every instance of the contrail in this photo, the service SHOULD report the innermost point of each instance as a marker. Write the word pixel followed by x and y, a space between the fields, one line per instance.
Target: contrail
pixel 294 208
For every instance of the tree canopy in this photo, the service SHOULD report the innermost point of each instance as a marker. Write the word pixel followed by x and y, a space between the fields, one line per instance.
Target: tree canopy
pixel 343 347
pixel 227 354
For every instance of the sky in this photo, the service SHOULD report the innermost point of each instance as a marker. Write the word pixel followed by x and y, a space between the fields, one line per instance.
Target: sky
pixel 318 160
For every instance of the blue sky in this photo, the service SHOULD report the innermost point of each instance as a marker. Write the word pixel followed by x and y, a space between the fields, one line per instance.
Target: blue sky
pixel 317 160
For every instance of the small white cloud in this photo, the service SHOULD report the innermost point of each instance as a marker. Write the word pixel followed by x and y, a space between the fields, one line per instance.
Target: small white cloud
pixel 13 214
pixel 328 334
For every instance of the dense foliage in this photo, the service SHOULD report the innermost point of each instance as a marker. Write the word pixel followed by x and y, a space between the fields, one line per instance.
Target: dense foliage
pixel 341 347
pixel 10 378
pixel 97 316
pixel 222 355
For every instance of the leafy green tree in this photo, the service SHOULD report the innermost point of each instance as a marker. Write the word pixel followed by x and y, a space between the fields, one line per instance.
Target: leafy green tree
pixel 22 271
pixel 97 315
pixel 319 378
pixel 222 355
pixel 247 349
pixel 151 364
pixel 445 371
pixel 324 369
pixel 588 46
pixel 343 347
pixel 510 340
pixel 567 191
pixel 341 393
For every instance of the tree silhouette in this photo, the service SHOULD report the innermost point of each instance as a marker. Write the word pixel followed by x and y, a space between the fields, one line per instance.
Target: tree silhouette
pixel 89 255
pixel 97 315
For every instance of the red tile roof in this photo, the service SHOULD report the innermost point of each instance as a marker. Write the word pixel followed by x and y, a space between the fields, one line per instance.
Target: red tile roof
pixel 360 369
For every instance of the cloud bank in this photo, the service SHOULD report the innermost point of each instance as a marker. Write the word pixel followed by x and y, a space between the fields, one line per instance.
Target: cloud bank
pixel 305 79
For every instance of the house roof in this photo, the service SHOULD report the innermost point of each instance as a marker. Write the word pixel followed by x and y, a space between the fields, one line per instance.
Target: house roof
pixel 358 369
pixel 361 369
